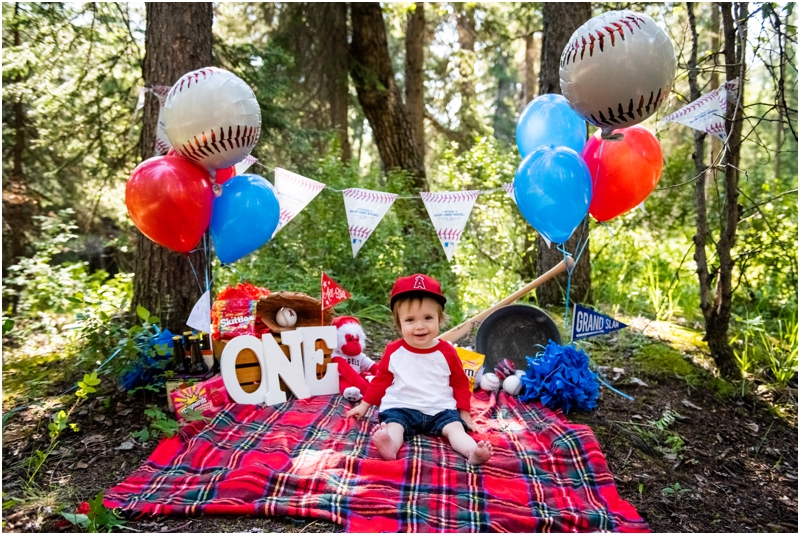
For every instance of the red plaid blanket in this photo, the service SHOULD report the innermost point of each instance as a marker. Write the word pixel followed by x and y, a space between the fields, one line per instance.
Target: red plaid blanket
pixel 303 458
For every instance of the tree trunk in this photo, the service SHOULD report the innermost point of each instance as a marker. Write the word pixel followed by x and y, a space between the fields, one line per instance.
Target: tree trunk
pixel 415 79
pixel 531 53
pixel 560 22
pixel 717 308
pixel 18 207
pixel 716 143
pixel 177 40
pixel 336 23
pixel 470 123
pixel 379 96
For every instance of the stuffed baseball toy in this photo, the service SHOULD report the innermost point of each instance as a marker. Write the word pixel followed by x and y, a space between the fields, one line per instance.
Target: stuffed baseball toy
pixel 355 368
pixel 617 69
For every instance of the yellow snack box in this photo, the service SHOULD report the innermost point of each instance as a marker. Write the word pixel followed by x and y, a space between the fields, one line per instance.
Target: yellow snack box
pixel 471 362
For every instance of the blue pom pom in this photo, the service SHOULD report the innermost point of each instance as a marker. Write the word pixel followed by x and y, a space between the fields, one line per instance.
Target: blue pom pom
pixel 560 378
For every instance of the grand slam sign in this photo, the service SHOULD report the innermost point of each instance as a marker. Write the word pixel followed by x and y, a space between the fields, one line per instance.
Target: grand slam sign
pixel 587 323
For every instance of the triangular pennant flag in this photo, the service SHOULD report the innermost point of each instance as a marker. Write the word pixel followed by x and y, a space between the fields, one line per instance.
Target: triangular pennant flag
pixel 707 113
pixel 548 242
pixel 641 207
pixel 245 164
pixel 509 187
pixel 162 141
pixel 587 323
pixel 331 292
pixel 294 193
pixel 449 212
pixel 200 318
pixel 365 209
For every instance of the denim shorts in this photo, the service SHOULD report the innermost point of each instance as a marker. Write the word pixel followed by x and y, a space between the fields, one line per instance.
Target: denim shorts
pixel 414 422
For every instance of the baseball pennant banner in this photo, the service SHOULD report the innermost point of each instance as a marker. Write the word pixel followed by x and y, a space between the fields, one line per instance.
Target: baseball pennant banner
pixel 449 212
pixel 509 189
pixel 162 141
pixel 294 193
pixel 331 292
pixel 200 317
pixel 707 113
pixel 365 209
pixel 245 164
pixel 587 323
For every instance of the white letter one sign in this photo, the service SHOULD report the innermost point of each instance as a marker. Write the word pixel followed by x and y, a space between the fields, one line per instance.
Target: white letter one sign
pixel 299 371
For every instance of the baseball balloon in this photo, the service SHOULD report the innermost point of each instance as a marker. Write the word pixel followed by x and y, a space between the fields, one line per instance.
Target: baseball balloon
pixel 617 69
pixel 490 382
pixel 212 118
pixel 286 317
pixel 512 385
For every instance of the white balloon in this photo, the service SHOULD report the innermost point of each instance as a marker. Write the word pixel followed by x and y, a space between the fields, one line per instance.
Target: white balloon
pixel 212 118
pixel 617 69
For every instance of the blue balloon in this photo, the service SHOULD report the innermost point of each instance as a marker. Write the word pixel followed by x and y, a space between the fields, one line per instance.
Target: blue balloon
pixel 553 189
pixel 549 120
pixel 244 217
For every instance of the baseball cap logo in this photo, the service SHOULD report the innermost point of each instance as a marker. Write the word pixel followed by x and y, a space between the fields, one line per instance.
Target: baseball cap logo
pixel 419 283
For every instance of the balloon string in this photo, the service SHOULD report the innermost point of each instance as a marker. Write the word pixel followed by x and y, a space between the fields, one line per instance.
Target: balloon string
pixel 195 274
pixel 230 266
pixel 208 260
pixel 613 389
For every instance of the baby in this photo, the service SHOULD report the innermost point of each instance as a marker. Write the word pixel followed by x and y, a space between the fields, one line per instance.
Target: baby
pixel 420 385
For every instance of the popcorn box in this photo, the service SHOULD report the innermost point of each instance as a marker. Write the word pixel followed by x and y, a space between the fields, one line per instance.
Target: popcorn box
pixel 472 362
pixel 206 398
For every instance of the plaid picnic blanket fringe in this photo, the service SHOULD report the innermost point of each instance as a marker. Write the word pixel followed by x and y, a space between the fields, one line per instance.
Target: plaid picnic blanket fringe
pixel 303 458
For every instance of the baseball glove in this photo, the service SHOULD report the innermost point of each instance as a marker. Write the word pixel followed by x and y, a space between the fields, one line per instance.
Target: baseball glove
pixel 306 307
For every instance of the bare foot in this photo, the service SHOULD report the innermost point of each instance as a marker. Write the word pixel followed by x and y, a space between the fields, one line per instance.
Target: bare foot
pixel 482 453
pixel 384 442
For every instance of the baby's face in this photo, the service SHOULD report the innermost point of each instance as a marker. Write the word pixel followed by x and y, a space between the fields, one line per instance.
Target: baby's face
pixel 419 322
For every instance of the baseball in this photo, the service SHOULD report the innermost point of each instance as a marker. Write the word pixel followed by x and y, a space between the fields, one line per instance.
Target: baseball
pixel 520 373
pixel 286 317
pixel 212 118
pixel 490 382
pixel 617 69
pixel 512 385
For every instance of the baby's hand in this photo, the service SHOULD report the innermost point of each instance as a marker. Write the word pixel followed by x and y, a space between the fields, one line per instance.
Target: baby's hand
pixel 358 411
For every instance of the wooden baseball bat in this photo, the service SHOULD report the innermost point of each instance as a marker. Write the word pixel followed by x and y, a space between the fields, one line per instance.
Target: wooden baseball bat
pixel 463 329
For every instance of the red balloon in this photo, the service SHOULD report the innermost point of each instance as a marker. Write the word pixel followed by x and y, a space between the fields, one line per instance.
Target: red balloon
pixel 170 200
pixel 225 174
pixel 624 172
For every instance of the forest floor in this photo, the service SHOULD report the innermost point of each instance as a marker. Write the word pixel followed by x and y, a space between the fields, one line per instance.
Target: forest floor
pixel 727 456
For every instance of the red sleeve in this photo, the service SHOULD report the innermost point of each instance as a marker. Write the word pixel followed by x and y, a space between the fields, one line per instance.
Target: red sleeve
pixel 458 379
pixel 383 378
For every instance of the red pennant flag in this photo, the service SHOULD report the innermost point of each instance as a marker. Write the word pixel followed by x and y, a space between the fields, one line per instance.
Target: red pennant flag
pixel 331 292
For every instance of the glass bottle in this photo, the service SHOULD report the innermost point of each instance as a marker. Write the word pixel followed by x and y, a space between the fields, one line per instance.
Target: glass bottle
pixel 198 364
pixel 179 358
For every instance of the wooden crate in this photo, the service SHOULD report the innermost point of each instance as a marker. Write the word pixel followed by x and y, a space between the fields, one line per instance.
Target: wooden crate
pixel 248 370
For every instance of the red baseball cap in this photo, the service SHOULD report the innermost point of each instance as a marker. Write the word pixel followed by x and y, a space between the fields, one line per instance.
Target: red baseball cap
pixel 417 283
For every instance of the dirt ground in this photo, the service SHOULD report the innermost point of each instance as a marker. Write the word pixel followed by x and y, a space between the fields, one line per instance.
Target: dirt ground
pixel 736 467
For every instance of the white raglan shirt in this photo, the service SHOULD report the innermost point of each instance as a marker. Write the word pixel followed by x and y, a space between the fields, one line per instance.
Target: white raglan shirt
pixel 426 380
